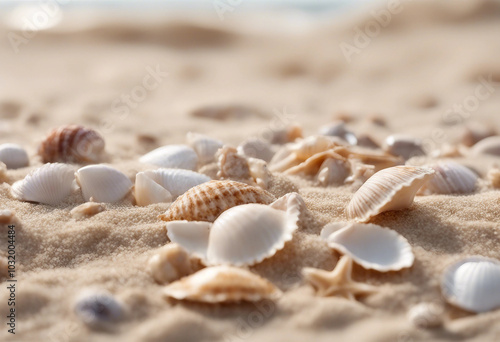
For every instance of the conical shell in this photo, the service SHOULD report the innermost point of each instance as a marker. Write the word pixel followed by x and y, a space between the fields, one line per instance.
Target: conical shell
pixel 207 201
pixel 222 284
pixel 489 146
pixel 404 146
pixel 450 178
pixel 390 189
pixel 172 156
pixel 72 144
pixel 473 284
pixel 49 184
pixel 256 148
pixel 204 146
pixel 13 156
pixel 371 246
pixel 102 183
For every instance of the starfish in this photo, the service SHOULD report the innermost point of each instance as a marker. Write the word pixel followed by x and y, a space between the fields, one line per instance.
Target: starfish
pixel 337 282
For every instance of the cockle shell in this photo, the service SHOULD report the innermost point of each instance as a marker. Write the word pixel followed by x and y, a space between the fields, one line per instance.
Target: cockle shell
pixel 494 177
pixel 338 129
pixel 489 146
pixel 365 140
pixel 171 263
pixel 404 146
pixel 222 284
pixel 450 178
pixel 72 144
pixel 96 308
pixel 204 146
pixel 256 148
pixel 389 189
pixel 207 201
pixel 86 210
pixel 49 184
pixel 172 156
pixel 13 156
pixel 371 246
pixel 473 284
pixel 243 235
pixel 103 183
pixel 165 185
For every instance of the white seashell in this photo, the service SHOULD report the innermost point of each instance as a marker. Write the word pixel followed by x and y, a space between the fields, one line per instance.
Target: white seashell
pixel 222 284
pixel 86 210
pixel 204 146
pixel 404 146
pixel 13 156
pixel 389 189
pixel 338 129
pixel 473 284
pixel 4 267
pixel 96 308
pixel 171 263
pixel 489 146
pixel 426 315
pixel 256 148
pixel 49 184
pixel 371 246
pixel 102 183
pixel 165 185
pixel 172 156
pixel 450 178
pixel 242 235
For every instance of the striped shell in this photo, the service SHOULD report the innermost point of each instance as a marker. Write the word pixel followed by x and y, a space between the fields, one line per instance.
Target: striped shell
pixel 450 178
pixel 172 156
pixel 103 183
pixel 207 201
pixel 489 146
pixel 72 144
pixel 389 189
pixel 13 156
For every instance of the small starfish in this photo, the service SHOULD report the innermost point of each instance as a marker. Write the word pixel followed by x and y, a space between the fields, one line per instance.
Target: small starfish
pixel 337 282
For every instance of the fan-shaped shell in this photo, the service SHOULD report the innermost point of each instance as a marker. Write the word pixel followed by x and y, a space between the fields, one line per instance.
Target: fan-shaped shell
pixel 338 129
pixel 473 284
pixel 13 156
pixel 102 183
pixel 207 201
pixel 49 184
pixel 404 146
pixel 6 216
pixel 204 146
pixel 222 284
pixel 371 246
pixel 450 178
pixel 489 145
pixel 390 189
pixel 72 144
pixel 172 156
pixel 256 148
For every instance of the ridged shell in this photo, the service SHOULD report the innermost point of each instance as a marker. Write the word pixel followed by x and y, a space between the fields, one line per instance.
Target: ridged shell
pixel 390 189
pixel 338 129
pixel 165 185
pixel 172 156
pixel 371 246
pixel 473 284
pixel 404 146
pixel 72 144
pixel 450 178
pixel 256 148
pixel 86 210
pixel 489 146
pixel 222 284
pixel 204 146
pixel 49 184
pixel 171 263
pixel 13 156
pixel 102 183
pixel 207 201
pixel 97 308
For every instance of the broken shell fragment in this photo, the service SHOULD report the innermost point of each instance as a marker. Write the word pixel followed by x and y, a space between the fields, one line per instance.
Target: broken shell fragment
pixel 172 156
pixel 171 263
pixel 450 178
pixel 13 156
pixel 204 146
pixel 404 146
pixel 86 210
pixel 102 183
pixel 489 146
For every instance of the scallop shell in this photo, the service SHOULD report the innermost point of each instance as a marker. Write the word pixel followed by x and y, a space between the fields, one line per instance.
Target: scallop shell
pixel 390 189
pixel 494 177
pixel 13 156
pixel 97 308
pixel 450 178
pixel 371 246
pixel 164 185
pixel 204 146
pixel 86 210
pixel 102 183
pixel 49 184
pixel 172 156
pixel 338 129
pixel 207 201
pixel 489 146
pixel 171 263
pixel 72 144
pixel 256 148
pixel 472 284
pixel 404 146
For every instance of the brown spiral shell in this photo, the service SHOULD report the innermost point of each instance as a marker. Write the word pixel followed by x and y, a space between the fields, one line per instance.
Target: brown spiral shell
pixel 73 144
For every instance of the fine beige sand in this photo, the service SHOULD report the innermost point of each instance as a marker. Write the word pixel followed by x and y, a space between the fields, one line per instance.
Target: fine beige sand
pixel 431 57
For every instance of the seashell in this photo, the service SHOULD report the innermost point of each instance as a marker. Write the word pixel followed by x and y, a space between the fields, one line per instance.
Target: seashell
pixel 171 263
pixel 494 177
pixel 13 156
pixel 338 129
pixel 204 146
pixel 96 308
pixel 207 201
pixel 164 185
pixel 377 120
pixel 390 189
pixel 102 183
pixel 226 112
pixel 172 156
pixel 3 173
pixel 72 144
pixel 6 216
pixel 450 178
pixel 447 151
pixel 371 246
pixel 489 146
pixel 367 141
pixel 220 284
pixel 380 161
pixel 259 172
pixel 256 148
pixel 404 146
pixel 426 315
pixel 243 235
pixel 286 134
pixel 232 165
pixel 86 210
pixel 49 184
pixel 475 132
pixel 313 164
pixel 472 284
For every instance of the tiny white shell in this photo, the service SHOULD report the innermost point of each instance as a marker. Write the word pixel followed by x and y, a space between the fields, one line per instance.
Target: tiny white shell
pixel 204 146
pixel 450 178
pixel 256 148
pixel 103 183
pixel 489 146
pixel 172 156
pixel 404 146
pixel 13 156
pixel 49 184
pixel 338 129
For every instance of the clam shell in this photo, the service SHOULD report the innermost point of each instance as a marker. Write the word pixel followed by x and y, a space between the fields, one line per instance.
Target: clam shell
pixel 204 146
pixel 222 284
pixel 207 201
pixel 97 308
pixel 172 156
pixel 13 156
pixel 49 184
pixel 72 144
pixel 171 263
pixel 338 129
pixel 489 146
pixel 390 189
pixel 450 178
pixel 102 183
pixel 404 146
pixel 371 246
pixel 473 284
pixel 256 148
